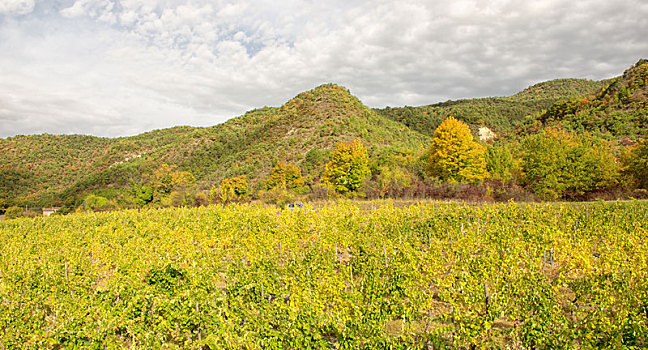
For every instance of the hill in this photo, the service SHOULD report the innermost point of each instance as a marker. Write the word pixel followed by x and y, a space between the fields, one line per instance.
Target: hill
pixel 46 170
pixel 49 170
pixel 312 122
pixel 37 169
pixel 501 114
pixel 619 109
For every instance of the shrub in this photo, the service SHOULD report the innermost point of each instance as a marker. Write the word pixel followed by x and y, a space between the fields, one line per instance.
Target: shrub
pixel 635 164
pixel 97 203
pixel 13 212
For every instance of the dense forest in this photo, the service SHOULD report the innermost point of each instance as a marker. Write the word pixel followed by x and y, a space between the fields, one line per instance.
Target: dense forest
pixel 566 139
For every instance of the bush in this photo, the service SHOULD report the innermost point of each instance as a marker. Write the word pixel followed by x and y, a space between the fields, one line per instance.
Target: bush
pixel 392 180
pixel 13 212
pixel 279 195
pixel 97 203
pixel 201 200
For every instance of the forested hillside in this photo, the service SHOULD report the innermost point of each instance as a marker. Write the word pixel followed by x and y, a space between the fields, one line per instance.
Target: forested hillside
pixel 618 109
pixel 37 169
pixel 565 138
pixel 502 114
pixel 60 169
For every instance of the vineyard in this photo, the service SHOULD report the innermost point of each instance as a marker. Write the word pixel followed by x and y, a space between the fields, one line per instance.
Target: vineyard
pixel 427 276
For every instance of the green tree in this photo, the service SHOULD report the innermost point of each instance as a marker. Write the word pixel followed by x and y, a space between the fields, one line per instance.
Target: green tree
pixel 454 154
pixel 557 163
pixel 314 161
pixel 142 194
pixel 348 167
pixel 635 164
pixel 499 163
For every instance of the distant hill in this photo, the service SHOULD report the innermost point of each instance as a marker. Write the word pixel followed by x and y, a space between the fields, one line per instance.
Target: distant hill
pixel 36 169
pixel 502 114
pixel 616 110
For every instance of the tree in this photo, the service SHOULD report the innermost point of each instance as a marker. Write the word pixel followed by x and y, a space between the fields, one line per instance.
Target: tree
pixel 558 163
pixel 231 189
pixel 635 164
pixel 142 194
pixel 499 163
pixel 164 181
pixel 348 167
pixel 285 175
pixel 454 154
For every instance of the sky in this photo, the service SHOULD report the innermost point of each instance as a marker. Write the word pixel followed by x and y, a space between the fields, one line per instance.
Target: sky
pixel 122 67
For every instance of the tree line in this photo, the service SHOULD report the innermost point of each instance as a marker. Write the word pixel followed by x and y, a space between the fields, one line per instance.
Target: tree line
pixel 552 164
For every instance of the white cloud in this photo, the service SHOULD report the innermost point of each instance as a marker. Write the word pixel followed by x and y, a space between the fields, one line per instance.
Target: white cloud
pixel 111 67
pixel 16 7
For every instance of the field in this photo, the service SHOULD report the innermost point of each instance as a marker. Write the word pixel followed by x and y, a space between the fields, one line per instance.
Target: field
pixel 432 275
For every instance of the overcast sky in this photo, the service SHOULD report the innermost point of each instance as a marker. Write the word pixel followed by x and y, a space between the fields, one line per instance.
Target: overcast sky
pixel 122 67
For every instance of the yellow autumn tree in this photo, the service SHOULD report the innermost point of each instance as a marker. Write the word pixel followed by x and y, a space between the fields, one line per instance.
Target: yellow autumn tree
pixel 348 168
pixel 285 175
pixel 454 154
pixel 232 189
pixel 164 181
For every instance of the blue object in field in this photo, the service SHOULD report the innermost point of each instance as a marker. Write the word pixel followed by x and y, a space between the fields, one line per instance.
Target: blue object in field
pixel 293 206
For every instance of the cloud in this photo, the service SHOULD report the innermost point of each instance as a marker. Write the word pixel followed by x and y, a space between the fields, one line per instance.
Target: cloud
pixel 16 7
pixel 112 68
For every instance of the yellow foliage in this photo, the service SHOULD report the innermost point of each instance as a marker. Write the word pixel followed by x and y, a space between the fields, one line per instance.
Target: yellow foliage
pixel 166 178
pixel 233 189
pixel 454 154
pixel 348 168
pixel 285 175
